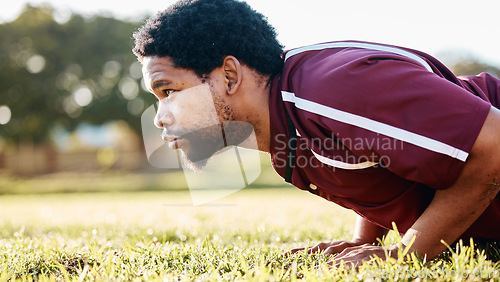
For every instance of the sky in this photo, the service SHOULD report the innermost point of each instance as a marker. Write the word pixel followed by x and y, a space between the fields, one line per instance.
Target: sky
pixel 443 28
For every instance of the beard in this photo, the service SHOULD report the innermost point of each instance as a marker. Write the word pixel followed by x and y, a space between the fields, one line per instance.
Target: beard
pixel 204 143
pixel 213 127
pixel 201 145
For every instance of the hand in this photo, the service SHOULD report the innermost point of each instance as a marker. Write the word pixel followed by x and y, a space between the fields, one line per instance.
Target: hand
pixel 354 256
pixel 328 248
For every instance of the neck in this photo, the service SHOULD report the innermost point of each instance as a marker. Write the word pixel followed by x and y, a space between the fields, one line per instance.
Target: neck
pixel 262 128
pixel 255 110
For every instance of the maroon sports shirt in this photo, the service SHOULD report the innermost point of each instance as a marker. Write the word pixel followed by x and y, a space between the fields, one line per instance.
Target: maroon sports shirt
pixel 379 128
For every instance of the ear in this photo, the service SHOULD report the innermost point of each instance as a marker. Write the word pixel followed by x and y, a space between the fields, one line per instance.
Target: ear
pixel 233 74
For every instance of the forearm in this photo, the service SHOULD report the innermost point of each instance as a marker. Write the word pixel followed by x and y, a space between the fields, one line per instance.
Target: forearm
pixel 454 210
pixel 447 224
pixel 367 232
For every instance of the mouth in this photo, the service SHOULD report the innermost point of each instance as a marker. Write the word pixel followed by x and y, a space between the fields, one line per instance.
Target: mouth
pixel 172 141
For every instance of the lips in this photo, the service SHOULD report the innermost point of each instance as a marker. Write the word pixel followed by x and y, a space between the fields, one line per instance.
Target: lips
pixel 174 144
pixel 173 141
pixel 169 138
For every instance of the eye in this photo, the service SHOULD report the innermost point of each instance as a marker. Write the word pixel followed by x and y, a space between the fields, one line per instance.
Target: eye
pixel 168 92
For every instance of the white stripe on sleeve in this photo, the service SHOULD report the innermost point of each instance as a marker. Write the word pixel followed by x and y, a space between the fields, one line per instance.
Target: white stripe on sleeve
pixel 343 165
pixel 375 126
pixel 359 45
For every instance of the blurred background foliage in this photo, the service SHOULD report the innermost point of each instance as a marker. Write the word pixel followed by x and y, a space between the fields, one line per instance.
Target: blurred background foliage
pixel 58 75
pixel 70 81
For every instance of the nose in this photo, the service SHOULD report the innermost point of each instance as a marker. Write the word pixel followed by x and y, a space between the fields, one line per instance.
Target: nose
pixel 163 118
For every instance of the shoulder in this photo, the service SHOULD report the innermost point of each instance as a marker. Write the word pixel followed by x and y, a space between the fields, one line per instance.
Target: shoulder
pixel 347 65
pixel 342 52
pixel 344 74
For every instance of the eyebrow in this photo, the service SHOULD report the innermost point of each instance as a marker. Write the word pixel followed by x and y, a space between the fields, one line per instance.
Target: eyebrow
pixel 159 83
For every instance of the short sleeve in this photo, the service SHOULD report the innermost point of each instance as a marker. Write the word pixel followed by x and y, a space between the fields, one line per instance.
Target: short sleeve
pixel 392 111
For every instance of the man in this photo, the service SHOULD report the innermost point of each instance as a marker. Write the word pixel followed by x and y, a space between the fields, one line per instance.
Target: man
pixel 386 131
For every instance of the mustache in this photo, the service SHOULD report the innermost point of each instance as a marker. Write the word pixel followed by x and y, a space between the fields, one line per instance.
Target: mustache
pixel 232 133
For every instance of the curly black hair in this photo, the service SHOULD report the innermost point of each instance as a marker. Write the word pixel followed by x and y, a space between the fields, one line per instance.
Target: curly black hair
pixel 199 34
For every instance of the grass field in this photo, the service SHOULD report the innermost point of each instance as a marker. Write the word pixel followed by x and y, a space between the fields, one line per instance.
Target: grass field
pixel 158 235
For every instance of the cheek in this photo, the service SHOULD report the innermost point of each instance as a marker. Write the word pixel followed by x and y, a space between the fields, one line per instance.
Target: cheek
pixel 224 111
pixel 195 112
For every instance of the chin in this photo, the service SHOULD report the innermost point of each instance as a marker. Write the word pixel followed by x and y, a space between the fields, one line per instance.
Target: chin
pixel 199 146
pixel 194 165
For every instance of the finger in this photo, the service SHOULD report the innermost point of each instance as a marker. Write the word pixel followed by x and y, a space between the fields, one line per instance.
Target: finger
pixel 353 264
pixel 293 251
pixel 350 257
pixel 337 248
pixel 355 256
pixel 309 250
pixel 346 254
pixel 337 264
pixel 318 248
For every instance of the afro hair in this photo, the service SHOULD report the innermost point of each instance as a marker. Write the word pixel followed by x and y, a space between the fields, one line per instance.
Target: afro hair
pixel 199 34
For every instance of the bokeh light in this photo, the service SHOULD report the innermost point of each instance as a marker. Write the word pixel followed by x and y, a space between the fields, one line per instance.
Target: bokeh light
pixel 106 157
pixel 5 114
pixel 35 64
pixel 136 106
pixel 129 88
pixel 111 69
pixel 83 96
pixel 135 70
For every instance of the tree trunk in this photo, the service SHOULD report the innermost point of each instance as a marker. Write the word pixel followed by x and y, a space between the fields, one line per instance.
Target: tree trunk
pixel 2 160
pixel 50 159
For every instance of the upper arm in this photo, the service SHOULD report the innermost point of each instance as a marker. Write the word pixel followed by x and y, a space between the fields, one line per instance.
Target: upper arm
pixel 453 210
pixel 417 124
pixel 488 140
pixel 483 164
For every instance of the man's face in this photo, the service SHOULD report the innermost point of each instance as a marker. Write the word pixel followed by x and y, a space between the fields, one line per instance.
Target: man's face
pixel 190 110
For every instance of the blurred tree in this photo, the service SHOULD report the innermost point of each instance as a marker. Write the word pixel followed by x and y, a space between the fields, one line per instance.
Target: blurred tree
pixel 61 74
pixel 473 67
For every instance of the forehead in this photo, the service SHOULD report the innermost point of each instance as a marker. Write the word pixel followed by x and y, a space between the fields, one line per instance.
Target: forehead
pixel 162 68
pixel 155 63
